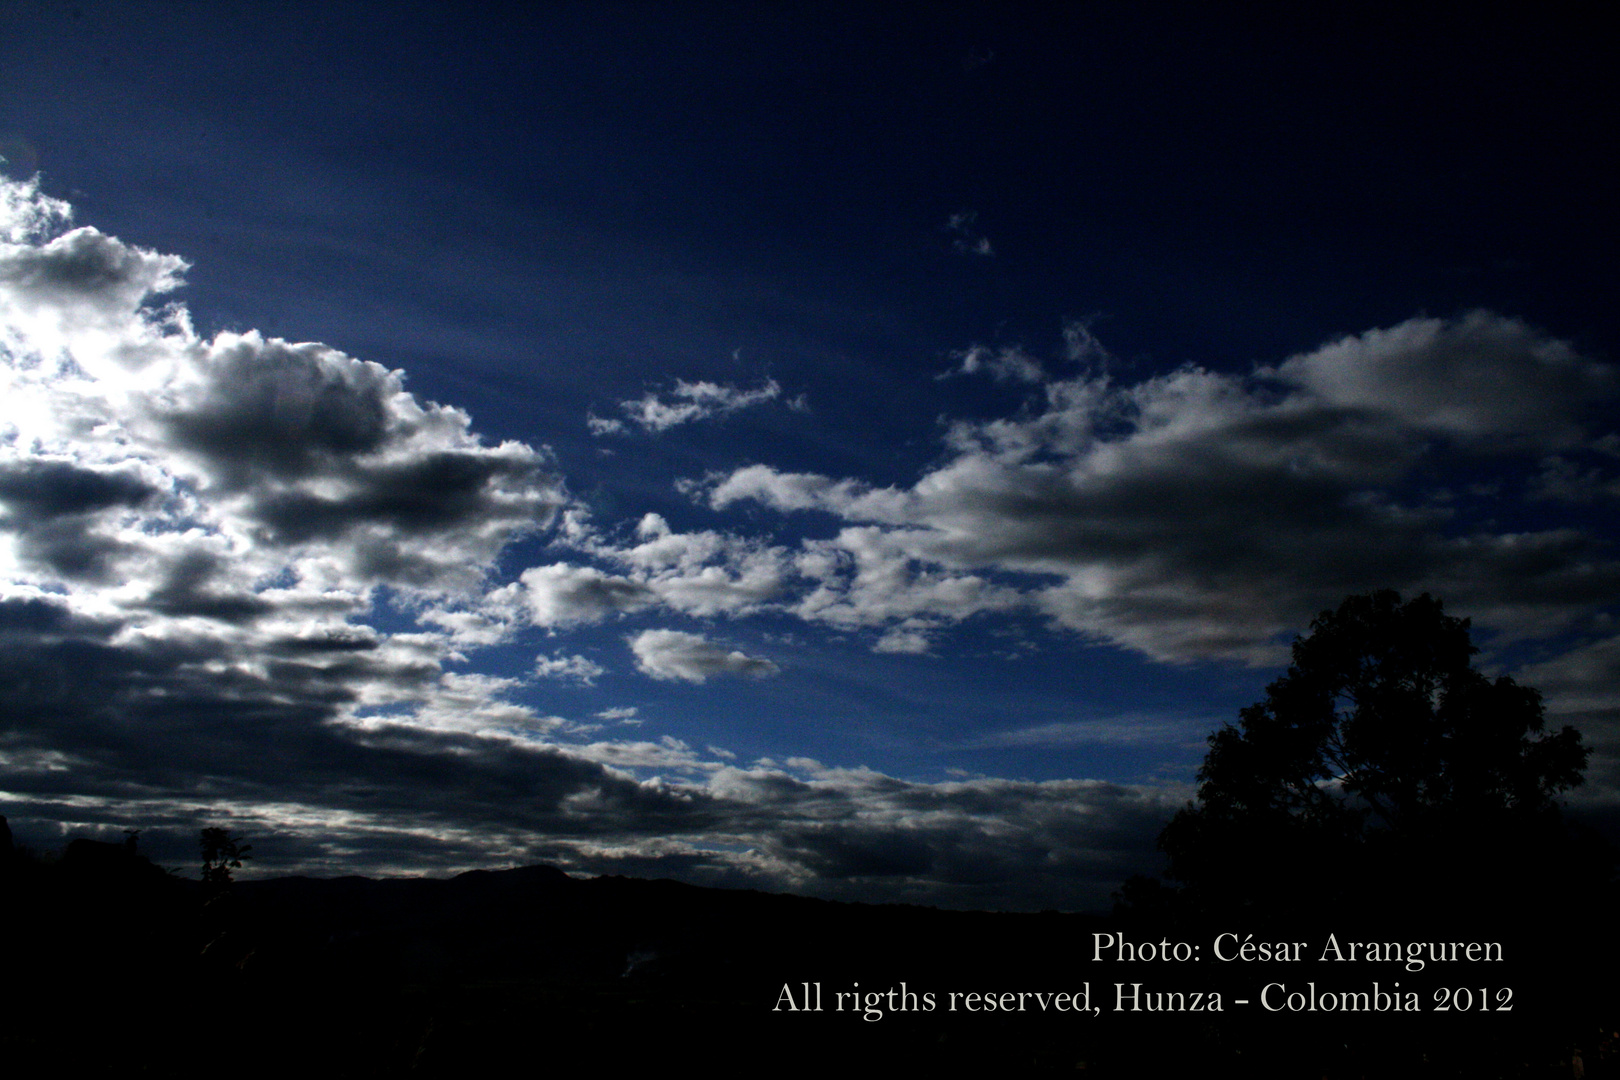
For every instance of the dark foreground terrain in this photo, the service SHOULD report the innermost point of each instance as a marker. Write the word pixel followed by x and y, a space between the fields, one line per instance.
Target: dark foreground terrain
pixel 114 967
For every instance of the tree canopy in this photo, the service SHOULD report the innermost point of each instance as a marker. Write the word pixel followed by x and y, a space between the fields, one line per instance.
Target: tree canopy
pixel 221 853
pixel 1380 750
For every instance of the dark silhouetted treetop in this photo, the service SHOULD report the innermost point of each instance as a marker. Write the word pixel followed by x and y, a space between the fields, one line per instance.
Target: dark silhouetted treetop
pixel 1381 735
pixel 221 853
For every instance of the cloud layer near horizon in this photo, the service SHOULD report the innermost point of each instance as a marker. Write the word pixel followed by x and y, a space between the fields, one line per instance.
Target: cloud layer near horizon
pixel 249 578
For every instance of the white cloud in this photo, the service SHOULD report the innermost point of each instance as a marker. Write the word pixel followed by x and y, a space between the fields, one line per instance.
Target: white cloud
pixel 1007 362
pixel 561 594
pixel 193 533
pixel 674 654
pixel 280 458
pixel 911 641
pixel 808 491
pixel 77 290
pixel 703 574
pixel 26 213
pixel 576 668
pixel 1197 514
pixel 667 754
pixel 1080 345
pixel 244 566
pixel 864 577
pixel 686 402
pixel 1476 378
pixel 869 576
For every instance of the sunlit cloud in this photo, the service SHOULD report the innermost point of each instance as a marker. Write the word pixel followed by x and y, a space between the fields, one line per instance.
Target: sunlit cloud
pixel 675 654
pixel 1196 515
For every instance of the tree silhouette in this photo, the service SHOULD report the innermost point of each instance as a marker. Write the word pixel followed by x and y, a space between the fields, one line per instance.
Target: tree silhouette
pixel 1382 756
pixel 221 853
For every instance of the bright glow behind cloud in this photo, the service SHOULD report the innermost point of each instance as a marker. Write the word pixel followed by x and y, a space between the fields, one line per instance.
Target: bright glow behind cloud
pixel 206 537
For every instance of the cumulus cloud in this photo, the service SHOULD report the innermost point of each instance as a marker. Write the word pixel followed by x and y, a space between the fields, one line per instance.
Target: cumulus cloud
pixel 577 668
pixel 26 213
pixel 1192 514
pixel 871 577
pixel 293 457
pixel 704 574
pixel 562 594
pixel 674 654
pixel 203 539
pixel 1481 377
pixel 1198 514
pixel 904 639
pixel 686 402
pixel 81 284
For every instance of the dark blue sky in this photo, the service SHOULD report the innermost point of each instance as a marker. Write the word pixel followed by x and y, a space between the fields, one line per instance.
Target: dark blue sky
pixel 1007 388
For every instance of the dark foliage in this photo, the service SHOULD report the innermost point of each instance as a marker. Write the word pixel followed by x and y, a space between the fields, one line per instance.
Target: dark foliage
pixel 1381 764
pixel 221 853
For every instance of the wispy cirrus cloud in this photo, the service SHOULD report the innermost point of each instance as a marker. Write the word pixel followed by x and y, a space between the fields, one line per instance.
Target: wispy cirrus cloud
pixel 1008 362
pixel 685 402
pixel 1115 731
